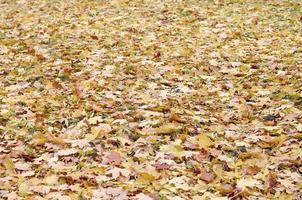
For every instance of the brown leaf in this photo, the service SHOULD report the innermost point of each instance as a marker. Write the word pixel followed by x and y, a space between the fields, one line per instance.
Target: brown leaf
pixel 203 155
pixel 94 37
pixel 207 177
pixel 157 54
pixel 78 90
pixel 271 181
pixel 162 166
pixel 54 139
pixel 250 170
pixel 176 117
pixel 57 85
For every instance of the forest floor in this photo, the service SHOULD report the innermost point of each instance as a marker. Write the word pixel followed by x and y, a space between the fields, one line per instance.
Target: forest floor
pixel 150 99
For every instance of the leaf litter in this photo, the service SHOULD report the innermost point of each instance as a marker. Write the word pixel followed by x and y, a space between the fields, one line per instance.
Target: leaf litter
pixel 141 99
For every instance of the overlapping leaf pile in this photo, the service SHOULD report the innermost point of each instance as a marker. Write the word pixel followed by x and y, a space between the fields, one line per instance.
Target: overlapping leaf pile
pixel 150 99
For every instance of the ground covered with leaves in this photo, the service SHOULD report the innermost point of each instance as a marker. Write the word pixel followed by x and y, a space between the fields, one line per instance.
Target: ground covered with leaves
pixel 150 99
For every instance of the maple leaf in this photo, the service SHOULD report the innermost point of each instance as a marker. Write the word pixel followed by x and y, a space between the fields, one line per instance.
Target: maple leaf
pixel 114 157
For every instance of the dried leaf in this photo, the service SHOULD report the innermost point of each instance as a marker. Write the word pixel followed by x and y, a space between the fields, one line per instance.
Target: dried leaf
pixel 168 128
pixel 204 141
pixel 207 177
pixel 114 157
pixel 67 152
pixel 9 165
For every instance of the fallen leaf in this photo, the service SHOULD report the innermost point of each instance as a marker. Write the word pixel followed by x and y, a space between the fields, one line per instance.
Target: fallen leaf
pixel 248 182
pixel 291 117
pixel 162 166
pixel 168 128
pixel 39 139
pixel 67 152
pixel 51 180
pixel 99 131
pixel 54 139
pixel 9 165
pixel 142 196
pixel 145 178
pixel 226 189
pixel 204 141
pixel 114 157
pixel 207 177
pixel 23 189
pixel 116 172
pixel 180 182
pixel 23 166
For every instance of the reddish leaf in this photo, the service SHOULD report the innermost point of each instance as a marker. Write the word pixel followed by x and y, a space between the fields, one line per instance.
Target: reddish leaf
pixel 94 37
pixel 207 177
pixel 114 157
pixel 162 166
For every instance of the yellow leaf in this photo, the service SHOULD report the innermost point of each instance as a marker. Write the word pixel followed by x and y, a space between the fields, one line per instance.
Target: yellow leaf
pixel 8 42
pixel 9 165
pixel 98 170
pixel 91 137
pixel 279 140
pixel 204 141
pixel 39 139
pixel 98 131
pixel 218 170
pixel 286 197
pixel 23 189
pixel 51 180
pixel 145 178
pixel 168 128
pixel 187 52
pixel 177 150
